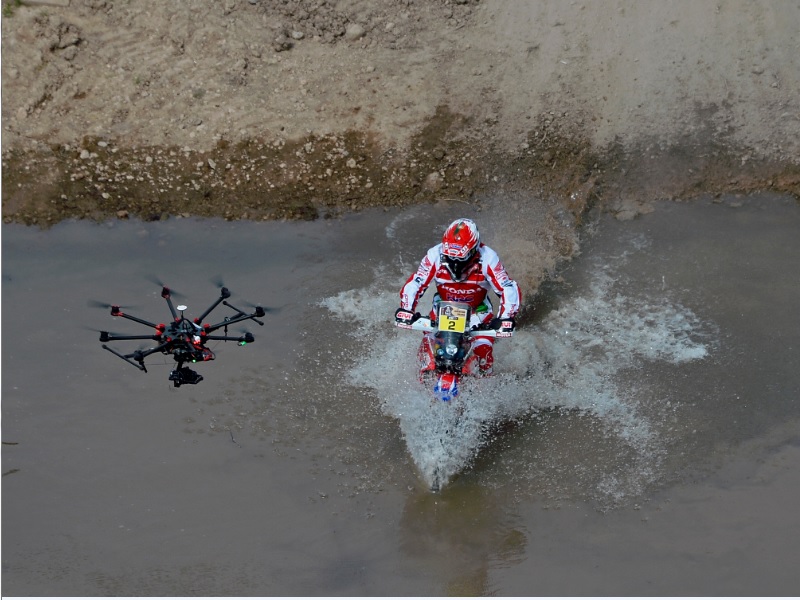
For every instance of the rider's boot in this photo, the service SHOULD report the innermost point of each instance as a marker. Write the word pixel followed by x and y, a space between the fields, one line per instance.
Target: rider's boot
pixel 425 356
pixel 483 351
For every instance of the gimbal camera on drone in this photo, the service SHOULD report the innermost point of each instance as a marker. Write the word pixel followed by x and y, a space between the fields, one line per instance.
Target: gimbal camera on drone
pixel 184 339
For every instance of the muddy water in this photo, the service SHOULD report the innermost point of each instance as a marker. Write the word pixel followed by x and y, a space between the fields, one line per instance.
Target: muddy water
pixel 641 435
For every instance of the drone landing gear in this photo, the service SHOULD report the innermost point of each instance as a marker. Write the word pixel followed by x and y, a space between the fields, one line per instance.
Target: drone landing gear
pixel 184 375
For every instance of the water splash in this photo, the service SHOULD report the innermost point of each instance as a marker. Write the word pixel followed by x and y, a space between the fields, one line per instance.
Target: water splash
pixel 570 361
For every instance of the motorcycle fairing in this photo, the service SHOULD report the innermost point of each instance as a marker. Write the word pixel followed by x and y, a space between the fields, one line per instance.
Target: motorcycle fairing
pixel 446 387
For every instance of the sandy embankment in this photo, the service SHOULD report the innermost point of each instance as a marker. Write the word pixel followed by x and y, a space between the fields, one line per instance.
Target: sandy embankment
pixel 262 110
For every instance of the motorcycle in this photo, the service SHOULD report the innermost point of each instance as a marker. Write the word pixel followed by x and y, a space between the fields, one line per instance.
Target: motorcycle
pixel 449 342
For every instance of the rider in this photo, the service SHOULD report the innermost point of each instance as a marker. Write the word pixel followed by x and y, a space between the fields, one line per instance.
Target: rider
pixel 464 270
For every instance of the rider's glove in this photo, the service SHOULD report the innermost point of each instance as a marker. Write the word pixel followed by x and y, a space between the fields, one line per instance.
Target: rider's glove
pixel 404 318
pixel 504 327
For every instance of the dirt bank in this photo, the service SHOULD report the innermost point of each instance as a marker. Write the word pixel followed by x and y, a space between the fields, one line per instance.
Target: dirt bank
pixel 301 109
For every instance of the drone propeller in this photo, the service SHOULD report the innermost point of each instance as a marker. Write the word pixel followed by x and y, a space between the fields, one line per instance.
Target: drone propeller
pixel 245 337
pixel 154 279
pixel 220 283
pixel 266 309
pixel 99 304
pixel 254 306
pixel 163 286
pixel 104 334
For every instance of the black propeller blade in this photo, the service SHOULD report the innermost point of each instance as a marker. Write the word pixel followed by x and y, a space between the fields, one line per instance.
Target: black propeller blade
pixel 104 333
pixel 99 304
pixel 219 282
pixel 254 306
pixel 163 286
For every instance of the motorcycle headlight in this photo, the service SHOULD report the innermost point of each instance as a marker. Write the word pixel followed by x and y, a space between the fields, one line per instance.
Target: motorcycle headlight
pixel 451 349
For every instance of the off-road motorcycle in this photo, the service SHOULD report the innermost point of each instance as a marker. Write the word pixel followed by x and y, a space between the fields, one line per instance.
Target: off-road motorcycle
pixel 449 340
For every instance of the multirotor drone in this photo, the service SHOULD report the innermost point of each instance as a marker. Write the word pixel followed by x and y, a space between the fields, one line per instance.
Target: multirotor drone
pixel 184 339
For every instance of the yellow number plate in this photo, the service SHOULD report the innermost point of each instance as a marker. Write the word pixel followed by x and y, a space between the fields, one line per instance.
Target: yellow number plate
pixel 452 318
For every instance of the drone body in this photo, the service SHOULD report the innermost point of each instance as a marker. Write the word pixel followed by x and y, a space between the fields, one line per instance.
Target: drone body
pixel 183 338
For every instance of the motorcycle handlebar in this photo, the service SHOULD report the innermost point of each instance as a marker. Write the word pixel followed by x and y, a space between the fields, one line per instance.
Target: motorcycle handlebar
pixel 424 324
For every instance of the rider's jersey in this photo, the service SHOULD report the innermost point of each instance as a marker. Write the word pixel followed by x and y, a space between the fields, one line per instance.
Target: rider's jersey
pixel 486 274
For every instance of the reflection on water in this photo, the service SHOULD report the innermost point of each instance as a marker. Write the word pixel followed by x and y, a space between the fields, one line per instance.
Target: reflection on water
pixel 435 537
pixel 297 466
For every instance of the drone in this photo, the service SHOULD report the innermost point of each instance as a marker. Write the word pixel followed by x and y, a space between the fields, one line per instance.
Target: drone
pixel 183 338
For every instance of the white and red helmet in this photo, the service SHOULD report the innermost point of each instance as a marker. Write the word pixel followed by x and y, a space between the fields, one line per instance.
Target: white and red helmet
pixel 460 246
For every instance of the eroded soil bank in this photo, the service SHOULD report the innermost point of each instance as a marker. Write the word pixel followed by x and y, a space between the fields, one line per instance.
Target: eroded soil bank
pixel 323 176
pixel 302 109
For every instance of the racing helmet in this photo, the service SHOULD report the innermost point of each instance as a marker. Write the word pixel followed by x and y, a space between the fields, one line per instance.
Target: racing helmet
pixel 460 247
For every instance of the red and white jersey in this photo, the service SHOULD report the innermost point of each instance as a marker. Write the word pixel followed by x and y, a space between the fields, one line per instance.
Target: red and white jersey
pixel 486 274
